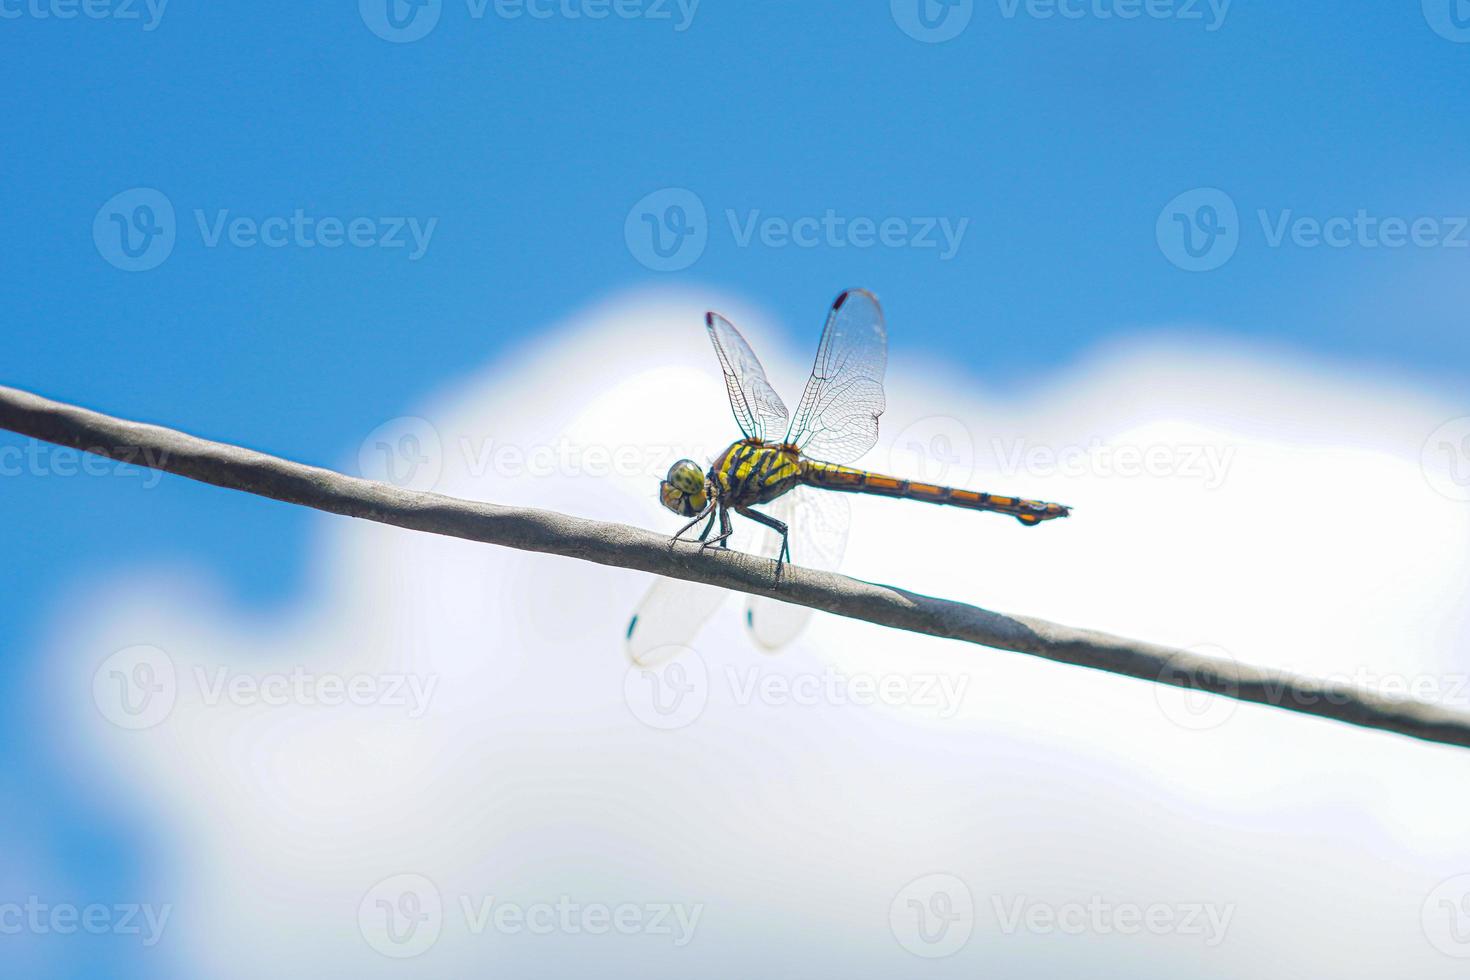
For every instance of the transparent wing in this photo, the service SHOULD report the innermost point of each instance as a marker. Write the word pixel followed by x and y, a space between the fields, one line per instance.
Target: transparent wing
pixel 758 409
pixel 837 419
pixel 818 523
pixel 668 618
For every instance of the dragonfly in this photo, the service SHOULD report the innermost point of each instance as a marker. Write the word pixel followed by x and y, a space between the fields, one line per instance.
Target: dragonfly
pixel 797 468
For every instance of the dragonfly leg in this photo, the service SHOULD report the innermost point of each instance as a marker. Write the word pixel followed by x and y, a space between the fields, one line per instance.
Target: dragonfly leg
pixel 779 527
pixel 707 512
pixel 726 529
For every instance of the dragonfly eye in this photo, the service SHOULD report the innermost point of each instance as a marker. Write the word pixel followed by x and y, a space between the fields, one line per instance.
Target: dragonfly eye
pixel 686 476
pixel 681 503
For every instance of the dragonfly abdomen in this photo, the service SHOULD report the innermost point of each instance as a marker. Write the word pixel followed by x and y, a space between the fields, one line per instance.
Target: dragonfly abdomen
pixel 830 476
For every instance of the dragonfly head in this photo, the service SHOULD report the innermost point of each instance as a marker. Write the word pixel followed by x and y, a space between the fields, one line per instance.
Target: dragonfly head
pixel 683 491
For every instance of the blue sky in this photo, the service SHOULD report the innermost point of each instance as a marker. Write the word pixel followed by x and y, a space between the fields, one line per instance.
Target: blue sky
pixel 518 146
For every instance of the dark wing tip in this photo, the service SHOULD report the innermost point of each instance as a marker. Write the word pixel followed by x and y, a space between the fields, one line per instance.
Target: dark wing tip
pixel 631 623
pixel 709 318
pixel 849 293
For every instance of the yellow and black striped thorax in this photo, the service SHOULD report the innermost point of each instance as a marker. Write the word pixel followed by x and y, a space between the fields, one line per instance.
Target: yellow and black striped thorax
pixel 751 472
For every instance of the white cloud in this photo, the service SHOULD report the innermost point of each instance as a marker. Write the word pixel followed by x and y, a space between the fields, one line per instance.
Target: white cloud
pixel 1312 542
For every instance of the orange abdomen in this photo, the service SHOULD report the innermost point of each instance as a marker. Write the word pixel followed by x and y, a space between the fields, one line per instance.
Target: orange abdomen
pixel 830 476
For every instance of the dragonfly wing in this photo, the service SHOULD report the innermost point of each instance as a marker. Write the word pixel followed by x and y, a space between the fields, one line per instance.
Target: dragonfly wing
pixel 818 523
pixel 837 419
pixel 758 409
pixel 668 619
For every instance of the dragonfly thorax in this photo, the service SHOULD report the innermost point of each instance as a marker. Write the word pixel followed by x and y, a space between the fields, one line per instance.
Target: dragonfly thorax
pixel 754 472
pixel 683 490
